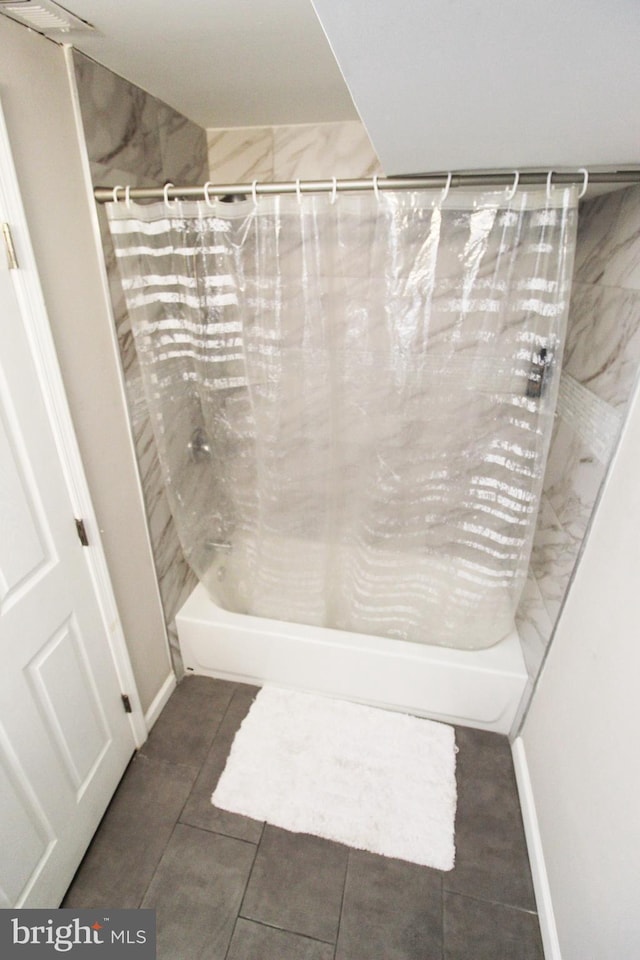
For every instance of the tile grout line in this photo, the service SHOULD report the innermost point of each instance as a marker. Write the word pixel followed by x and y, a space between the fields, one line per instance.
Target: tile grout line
pixel 342 899
pixel 204 759
pixel 495 903
pixel 155 870
pixel 244 892
pixel 181 811
pixel 191 827
pixel 250 874
pixel 175 823
pixel 293 933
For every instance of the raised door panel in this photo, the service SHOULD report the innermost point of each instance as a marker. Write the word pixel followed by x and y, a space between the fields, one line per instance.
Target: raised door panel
pixel 64 689
pixel 25 547
pixel 26 838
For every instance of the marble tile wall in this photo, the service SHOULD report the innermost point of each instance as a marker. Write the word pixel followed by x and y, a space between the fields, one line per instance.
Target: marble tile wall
pixel 133 138
pixel 601 362
pixel 307 151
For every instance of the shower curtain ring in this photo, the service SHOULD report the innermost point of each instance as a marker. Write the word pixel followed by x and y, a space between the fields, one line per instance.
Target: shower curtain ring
pixel 298 193
pixel 585 173
pixel 114 195
pixel 512 192
pixel 376 188
pixel 165 191
pixel 445 192
pixel 254 192
pixel 549 175
pixel 207 199
pixel 127 196
pixel 334 190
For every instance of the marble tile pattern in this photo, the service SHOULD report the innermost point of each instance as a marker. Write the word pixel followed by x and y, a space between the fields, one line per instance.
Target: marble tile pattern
pixel 603 342
pixel 311 151
pixel 600 373
pixel 306 150
pixel 133 138
pixel 240 155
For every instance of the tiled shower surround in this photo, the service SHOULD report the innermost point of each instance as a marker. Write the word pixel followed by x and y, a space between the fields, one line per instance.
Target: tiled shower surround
pixel 133 138
pixel 305 151
pixel 601 360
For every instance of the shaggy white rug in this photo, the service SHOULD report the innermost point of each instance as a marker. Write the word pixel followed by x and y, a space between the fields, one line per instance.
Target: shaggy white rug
pixel 369 778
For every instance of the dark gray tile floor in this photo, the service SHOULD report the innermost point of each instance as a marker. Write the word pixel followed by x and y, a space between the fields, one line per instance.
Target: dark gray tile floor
pixel 229 888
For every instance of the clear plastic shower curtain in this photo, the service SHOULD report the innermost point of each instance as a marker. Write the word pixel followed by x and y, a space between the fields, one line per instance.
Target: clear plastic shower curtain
pixel 353 400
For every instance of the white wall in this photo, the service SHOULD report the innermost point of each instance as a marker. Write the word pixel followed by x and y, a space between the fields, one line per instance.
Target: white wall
pixel 443 85
pixel 581 734
pixel 38 109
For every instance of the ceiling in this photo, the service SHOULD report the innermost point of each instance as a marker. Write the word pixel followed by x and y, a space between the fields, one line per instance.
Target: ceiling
pixel 439 84
pixel 222 63
pixel 456 84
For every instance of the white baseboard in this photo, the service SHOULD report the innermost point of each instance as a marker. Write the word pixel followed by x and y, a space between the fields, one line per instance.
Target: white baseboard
pixel 544 903
pixel 160 700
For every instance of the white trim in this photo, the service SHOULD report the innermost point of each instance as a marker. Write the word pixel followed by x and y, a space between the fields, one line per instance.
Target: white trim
pixel 160 700
pixel 541 886
pixel 38 331
pixel 95 226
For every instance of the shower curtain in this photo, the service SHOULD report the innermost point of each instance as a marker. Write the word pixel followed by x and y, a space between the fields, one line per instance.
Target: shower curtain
pixel 353 397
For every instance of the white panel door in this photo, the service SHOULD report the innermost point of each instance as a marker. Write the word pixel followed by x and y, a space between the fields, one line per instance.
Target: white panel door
pixel 65 738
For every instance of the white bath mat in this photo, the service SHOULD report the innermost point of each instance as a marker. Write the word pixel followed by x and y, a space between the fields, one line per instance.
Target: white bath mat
pixel 368 778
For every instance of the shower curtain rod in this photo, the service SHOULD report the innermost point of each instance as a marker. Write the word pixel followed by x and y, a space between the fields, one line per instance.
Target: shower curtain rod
pixel 431 180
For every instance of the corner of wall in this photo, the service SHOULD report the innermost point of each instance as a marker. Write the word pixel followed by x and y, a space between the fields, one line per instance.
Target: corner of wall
pixel 541 886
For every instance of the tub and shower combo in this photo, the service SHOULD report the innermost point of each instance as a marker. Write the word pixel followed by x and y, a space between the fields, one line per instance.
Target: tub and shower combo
pixel 352 395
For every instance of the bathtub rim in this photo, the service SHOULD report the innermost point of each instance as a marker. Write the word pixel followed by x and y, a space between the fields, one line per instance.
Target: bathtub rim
pixel 481 688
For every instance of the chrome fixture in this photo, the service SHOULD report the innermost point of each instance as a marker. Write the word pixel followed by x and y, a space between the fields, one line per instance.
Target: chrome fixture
pixel 198 445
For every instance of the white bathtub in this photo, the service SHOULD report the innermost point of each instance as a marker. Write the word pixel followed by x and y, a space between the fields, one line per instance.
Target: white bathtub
pixel 475 688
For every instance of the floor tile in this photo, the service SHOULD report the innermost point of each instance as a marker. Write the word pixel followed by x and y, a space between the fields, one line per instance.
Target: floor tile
pixel 297 883
pixel 392 910
pixel 230 888
pixel 476 930
pixel 196 891
pixel 199 811
pixel 186 727
pixel 254 941
pixel 130 841
pixel 491 853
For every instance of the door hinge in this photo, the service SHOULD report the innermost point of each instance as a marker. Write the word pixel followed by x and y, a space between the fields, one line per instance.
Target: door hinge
pixel 12 260
pixel 127 703
pixel 82 533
